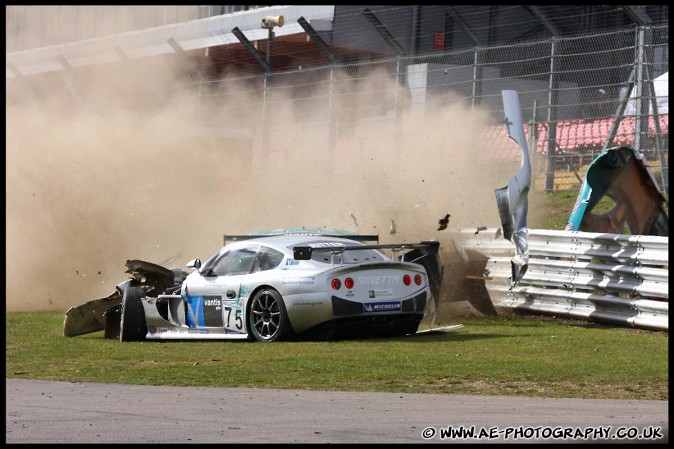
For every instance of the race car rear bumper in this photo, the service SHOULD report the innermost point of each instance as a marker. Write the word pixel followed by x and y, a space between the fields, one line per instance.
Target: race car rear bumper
pixel 344 307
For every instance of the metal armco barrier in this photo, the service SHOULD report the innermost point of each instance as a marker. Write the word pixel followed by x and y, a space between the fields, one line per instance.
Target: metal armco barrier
pixel 615 278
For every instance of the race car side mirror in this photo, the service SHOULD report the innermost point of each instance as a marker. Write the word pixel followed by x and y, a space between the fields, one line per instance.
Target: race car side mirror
pixel 194 263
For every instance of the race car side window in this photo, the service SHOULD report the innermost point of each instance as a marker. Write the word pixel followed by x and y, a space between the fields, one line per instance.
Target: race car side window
pixel 267 259
pixel 238 261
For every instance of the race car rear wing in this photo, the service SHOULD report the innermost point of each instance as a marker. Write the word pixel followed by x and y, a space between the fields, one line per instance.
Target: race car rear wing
pixel 303 231
pixel 398 250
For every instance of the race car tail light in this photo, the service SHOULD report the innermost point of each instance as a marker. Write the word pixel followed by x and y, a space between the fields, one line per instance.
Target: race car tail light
pixel 350 282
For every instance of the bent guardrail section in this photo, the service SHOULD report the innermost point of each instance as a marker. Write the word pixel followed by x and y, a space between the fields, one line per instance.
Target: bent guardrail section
pixel 616 278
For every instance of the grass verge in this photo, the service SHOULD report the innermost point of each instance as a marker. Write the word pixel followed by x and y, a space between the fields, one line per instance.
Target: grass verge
pixel 514 356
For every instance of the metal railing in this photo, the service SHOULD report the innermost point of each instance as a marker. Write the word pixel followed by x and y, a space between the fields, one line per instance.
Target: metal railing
pixel 622 279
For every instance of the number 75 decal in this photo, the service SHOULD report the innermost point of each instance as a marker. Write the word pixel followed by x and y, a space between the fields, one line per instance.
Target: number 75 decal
pixel 237 318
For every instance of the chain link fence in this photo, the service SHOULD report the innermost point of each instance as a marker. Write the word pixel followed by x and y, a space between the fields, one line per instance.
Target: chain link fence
pixel 580 95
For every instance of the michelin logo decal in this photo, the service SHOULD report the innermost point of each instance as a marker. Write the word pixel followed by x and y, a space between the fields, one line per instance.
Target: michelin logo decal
pixel 382 307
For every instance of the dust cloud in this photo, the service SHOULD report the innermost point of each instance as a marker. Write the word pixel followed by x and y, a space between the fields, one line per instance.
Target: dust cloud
pixel 126 170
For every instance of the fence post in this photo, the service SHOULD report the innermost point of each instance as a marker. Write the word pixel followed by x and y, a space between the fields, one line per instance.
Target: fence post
pixel 552 121
pixel 477 77
pixel 658 135
pixel 533 131
pixel 332 121
pixel 640 127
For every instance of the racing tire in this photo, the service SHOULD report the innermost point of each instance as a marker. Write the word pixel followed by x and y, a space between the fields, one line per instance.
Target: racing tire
pixel 132 324
pixel 267 317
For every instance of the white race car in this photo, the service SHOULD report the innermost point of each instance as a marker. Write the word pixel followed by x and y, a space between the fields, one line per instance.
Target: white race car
pixel 273 286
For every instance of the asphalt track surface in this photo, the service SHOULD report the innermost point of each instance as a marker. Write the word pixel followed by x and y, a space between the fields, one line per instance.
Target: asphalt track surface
pixel 40 411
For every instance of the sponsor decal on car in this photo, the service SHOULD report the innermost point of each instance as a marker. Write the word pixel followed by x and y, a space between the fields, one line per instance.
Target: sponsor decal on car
pixel 326 245
pixel 210 301
pixel 382 293
pixel 298 280
pixel 378 280
pixel 307 303
pixel 392 306
pixel 204 311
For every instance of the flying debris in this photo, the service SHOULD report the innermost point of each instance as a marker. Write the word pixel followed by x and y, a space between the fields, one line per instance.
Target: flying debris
pixel 393 227
pixel 623 175
pixel 512 199
pixel 443 222
pixel 171 259
pixel 481 228
pixel 354 218
pixel 440 330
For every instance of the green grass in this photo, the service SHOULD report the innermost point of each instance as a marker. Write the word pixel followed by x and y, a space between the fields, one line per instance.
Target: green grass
pixel 516 356
pixel 512 356
pixel 550 210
